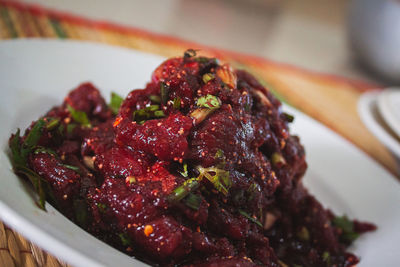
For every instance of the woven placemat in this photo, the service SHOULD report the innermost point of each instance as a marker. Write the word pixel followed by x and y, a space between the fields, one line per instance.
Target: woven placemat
pixel 16 251
pixel 329 99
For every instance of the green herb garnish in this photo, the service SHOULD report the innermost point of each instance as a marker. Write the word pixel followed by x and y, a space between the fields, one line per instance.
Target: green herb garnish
pixel 81 212
pixel 164 91
pixel 155 99
pixel 19 156
pixel 189 53
pixel 79 116
pixel 252 191
pixel 218 177
pixel 185 170
pixel 208 77
pixel 71 127
pixel 250 218
pixel 204 60
pixel 20 151
pixel 37 182
pixel 288 117
pixel 159 114
pixel 41 149
pixel 74 168
pixel 115 103
pixel 277 159
pixel 219 154
pixel 102 207
pixel 347 226
pixel 52 124
pixel 177 103
pixel 183 190
pixel 209 101
pixel 125 239
pixel 193 201
pixel 148 113
pixel 303 234
pixel 326 257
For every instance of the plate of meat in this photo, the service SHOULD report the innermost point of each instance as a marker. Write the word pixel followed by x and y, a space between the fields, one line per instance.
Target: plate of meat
pixel 117 157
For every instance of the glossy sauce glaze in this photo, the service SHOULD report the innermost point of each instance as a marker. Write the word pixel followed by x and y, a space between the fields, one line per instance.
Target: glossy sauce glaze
pixel 197 169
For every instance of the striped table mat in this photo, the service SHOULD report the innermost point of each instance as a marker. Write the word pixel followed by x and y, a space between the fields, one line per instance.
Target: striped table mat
pixel 329 99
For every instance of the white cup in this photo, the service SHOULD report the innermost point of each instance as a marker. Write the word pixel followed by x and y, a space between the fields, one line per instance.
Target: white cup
pixel 374 35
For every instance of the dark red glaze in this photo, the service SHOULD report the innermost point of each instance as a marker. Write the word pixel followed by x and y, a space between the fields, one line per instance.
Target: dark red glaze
pixel 125 171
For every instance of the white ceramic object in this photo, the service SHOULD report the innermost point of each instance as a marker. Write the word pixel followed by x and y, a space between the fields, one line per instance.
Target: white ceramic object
pixel 374 34
pixel 388 103
pixel 37 74
pixel 372 118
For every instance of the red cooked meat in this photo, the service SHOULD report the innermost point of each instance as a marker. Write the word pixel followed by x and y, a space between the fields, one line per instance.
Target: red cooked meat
pixel 197 169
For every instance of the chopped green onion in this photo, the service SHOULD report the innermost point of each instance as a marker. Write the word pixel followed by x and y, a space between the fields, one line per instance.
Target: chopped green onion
pixel 205 60
pixel 115 103
pixel 164 91
pixel 209 101
pixel 183 190
pixel 252 190
pixel 193 201
pixel 159 114
pixel 326 257
pixel 220 179
pixel 185 170
pixel 71 127
pixel 247 107
pixel 219 154
pixel 74 168
pixel 155 99
pixel 277 159
pixel 177 103
pixel 288 117
pixel 102 207
pixel 189 53
pixel 250 218
pixel 41 149
pixel 125 239
pixel 303 234
pixel 347 226
pixel 208 77
pixel 148 113
pixel 81 211
pixel 343 223
pixel 153 108
pixel 79 116
pixel 52 124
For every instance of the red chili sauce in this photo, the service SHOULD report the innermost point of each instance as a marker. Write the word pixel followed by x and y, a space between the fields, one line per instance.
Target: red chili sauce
pixel 197 169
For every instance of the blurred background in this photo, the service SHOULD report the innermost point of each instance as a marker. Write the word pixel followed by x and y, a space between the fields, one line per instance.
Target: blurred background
pixel 306 33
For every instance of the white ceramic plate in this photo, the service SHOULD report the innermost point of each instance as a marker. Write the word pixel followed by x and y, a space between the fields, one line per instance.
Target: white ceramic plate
pixel 389 107
pixel 372 118
pixel 37 74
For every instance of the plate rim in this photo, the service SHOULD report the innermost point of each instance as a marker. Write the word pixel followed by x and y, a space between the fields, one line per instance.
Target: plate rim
pixel 386 110
pixel 364 104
